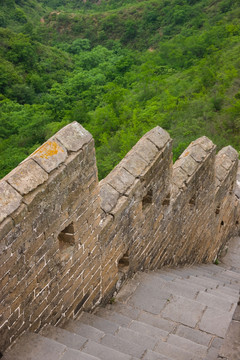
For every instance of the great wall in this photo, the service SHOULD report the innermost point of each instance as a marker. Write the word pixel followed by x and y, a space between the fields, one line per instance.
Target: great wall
pixel 68 242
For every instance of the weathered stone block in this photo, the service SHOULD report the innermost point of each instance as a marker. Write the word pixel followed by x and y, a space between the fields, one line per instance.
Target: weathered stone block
pixel 73 136
pixel 10 200
pixel 27 176
pixel 134 164
pixel 188 164
pixel 109 197
pixel 158 136
pixel 50 155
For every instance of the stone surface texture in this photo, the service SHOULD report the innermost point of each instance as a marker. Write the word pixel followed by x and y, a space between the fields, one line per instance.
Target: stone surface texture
pixel 68 242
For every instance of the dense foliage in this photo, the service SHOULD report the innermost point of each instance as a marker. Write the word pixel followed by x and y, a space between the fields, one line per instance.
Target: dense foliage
pixel 119 68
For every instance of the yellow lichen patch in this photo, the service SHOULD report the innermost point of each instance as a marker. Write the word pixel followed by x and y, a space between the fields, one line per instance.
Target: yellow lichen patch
pixel 186 153
pixel 50 148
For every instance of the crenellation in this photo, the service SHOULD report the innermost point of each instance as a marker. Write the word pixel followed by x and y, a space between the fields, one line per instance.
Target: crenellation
pixel 68 242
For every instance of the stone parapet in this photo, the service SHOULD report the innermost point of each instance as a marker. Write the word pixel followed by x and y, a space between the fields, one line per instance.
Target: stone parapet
pixel 68 242
pixel 49 221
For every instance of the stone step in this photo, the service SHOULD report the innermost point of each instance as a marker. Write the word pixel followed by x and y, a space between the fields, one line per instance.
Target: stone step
pixel 152 355
pixel 99 323
pixel 84 330
pixel 117 343
pixel 208 283
pixel 137 338
pixel 227 281
pixel 183 272
pixel 72 354
pixel 212 300
pixel 217 271
pixel 195 335
pixel 124 309
pixel 210 271
pixel 117 309
pixel 104 352
pixel 156 321
pixel 33 346
pixel 222 292
pixel 175 352
pixel 115 317
pixel 216 321
pixel 77 342
pixel 149 330
pixel 188 345
pixel 220 276
pixel 70 339
pixel 185 311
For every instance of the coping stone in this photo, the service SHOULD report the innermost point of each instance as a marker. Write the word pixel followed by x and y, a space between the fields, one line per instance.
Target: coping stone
pixel 109 197
pixel 198 153
pixel 120 179
pixel 146 149
pixel 27 176
pixel 224 160
pixel 158 136
pixel 220 172
pixel 230 152
pixel 50 155
pixel 205 143
pixel 73 136
pixel 10 200
pixel 134 163
pixel 188 164
pixel 179 177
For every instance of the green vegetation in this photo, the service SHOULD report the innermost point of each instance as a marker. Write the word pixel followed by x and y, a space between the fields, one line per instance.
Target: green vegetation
pixel 119 68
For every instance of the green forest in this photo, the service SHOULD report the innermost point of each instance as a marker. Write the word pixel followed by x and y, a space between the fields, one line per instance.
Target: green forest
pixel 119 68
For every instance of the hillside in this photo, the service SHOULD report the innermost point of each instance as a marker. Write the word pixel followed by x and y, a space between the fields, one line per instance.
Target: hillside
pixel 119 68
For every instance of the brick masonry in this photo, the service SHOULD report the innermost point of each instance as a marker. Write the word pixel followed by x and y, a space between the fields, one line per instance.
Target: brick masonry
pixel 68 242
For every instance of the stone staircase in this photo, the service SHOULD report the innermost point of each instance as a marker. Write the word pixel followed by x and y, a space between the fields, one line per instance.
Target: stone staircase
pixel 189 313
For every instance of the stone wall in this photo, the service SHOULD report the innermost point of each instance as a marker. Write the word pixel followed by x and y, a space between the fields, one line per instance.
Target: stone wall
pixel 50 263
pixel 68 242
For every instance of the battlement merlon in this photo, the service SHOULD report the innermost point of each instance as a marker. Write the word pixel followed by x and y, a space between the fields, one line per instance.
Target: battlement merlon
pixel 35 169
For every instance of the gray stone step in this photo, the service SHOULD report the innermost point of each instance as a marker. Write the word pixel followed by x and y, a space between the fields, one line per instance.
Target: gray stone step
pixel 184 311
pixel 157 321
pixel 151 303
pixel 104 352
pixel 100 323
pixel 204 281
pixel 78 342
pixel 35 347
pixel 84 330
pixel 152 355
pixel 225 294
pixel 113 316
pixel 218 272
pixel 70 339
pixel 221 279
pixel 214 301
pixel 183 272
pixel 174 352
pixel 137 338
pixel 210 271
pixel 221 276
pixel 149 330
pixel 129 348
pixel 194 335
pixel 188 345
pixel 124 309
pixel 72 354
pixel 216 321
